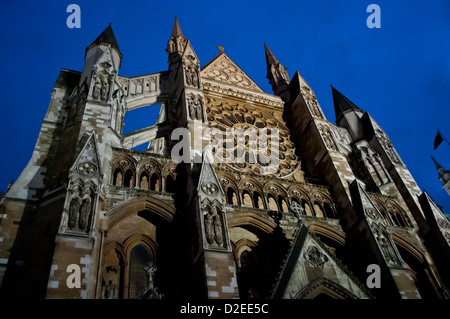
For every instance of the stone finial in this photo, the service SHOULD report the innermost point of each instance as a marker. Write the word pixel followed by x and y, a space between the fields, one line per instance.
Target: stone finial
pixel 221 48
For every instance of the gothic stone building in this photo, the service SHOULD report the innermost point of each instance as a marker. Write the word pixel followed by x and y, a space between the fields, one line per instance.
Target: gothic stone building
pixel 143 224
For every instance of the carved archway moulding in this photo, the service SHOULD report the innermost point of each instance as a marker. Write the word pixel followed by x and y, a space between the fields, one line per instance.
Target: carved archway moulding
pixel 252 221
pixel 162 208
pixel 325 286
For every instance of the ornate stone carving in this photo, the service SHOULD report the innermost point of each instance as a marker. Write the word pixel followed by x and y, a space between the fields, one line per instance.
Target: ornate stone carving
pixel 296 209
pixel 87 168
pixel 327 137
pixel 150 270
pixel 389 148
pixel 124 163
pixel 210 188
pixel 314 107
pixel 386 246
pixel 444 224
pixel 195 106
pixel 372 213
pixel 191 75
pixel 85 212
pixel 73 210
pixel 315 257
pixel 224 70
pixel 269 151
pixel 212 218
pixel 249 185
pixel 111 290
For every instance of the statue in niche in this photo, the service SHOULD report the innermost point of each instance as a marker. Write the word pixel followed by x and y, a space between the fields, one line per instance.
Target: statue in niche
pixel 144 182
pixel 191 107
pixel 198 109
pixel 385 247
pixel 209 227
pixel 85 211
pixel 188 76
pixel 218 229
pixel 111 290
pixel 194 77
pixel 105 90
pixel 119 179
pixel 234 199
pixel 97 90
pixel 73 210
pixel 150 270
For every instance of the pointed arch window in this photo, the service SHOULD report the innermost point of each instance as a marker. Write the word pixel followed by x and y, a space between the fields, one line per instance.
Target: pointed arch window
pixel 247 199
pixel 272 203
pixel 129 178
pixel 143 184
pixel 117 177
pixel 139 257
pixel 258 200
pixel 155 183
pixel 232 197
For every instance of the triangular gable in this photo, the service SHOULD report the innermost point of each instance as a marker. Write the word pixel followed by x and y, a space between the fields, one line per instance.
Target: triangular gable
pixel 435 216
pixel 208 182
pixel 309 263
pixel 189 52
pixel 87 163
pixel 222 69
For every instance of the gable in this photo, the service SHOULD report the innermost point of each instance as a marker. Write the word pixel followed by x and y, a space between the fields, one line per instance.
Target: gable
pixel 87 164
pixel 310 264
pixel 223 69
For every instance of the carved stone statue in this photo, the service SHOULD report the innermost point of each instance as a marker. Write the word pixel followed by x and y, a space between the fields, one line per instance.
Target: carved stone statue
pixel 209 228
pixel 188 76
pixel 194 77
pixel 111 290
pixel 105 90
pixel 218 230
pixel 191 107
pixel 385 246
pixel 150 270
pixel 198 109
pixel 73 210
pixel 144 183
pixel 85 211
pixel 97 90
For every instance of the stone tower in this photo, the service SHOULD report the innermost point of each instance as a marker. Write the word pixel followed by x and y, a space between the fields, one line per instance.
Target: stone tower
pixel 240 193
pixel 443 175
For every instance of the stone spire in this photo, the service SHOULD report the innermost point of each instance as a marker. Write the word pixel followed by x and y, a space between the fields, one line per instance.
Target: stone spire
pixel 277 75
pixel 106 37
pixel 444 175
pixel 177 43
pixel 348 115
pixel 342 104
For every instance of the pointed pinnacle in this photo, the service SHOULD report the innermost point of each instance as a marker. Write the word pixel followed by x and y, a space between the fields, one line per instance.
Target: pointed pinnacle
pixel 176 31
pixel 342 103
pixel 270 58
pixel 438 166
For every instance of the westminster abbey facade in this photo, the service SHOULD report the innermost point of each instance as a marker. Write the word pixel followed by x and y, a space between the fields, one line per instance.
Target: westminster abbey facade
pixel 302 208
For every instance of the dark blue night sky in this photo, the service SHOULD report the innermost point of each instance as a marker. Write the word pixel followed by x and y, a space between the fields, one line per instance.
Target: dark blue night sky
pixel 400 73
